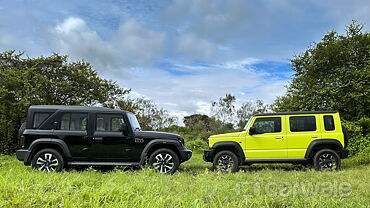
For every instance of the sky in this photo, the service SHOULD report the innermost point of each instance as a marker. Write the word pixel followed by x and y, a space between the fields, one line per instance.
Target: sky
pixel 182 54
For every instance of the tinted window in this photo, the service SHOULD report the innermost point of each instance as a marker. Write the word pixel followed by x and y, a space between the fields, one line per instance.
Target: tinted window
pixel 302 123
pixel 108 122
pixel 329 123
pixel 267 125
pixel 39 118
pixel 74 121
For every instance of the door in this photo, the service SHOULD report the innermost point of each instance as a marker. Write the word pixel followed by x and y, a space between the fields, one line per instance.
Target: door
pixel 108 143
pixel 72 129
pixel 269 141
pixel 303 129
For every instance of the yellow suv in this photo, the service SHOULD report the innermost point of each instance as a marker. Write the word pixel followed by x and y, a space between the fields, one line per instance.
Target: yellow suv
pixel 308 137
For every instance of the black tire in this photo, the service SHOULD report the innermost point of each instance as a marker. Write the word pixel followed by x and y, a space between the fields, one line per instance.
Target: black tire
pixel 164 161
pixel 226 161
pixel 326 159
pixel 20 131
pixel 48 160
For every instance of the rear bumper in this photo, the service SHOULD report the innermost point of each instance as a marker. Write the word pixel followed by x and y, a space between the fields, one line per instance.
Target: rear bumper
pixel 343 153
pixel 185 154
pixel 21 154
pixel 208 155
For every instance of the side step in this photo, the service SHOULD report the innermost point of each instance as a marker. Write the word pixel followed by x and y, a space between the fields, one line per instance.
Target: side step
pixel 104 163
pixel 288 160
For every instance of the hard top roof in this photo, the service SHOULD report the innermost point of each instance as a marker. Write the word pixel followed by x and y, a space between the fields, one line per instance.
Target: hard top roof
pixel 295 113
pixel 74 108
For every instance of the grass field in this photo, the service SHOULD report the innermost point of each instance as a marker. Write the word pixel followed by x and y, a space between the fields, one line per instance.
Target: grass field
pixel 193 186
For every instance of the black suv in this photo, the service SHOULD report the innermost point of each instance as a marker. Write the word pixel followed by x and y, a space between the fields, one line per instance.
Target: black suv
pixel 58 136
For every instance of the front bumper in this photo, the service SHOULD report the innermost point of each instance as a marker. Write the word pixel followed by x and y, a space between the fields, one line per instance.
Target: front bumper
pixel 21 154
pixel 185 154
pixel 343 153
pixel 208 155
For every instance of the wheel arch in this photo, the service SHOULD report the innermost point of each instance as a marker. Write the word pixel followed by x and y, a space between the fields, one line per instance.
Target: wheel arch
pixel 44 143
pixel 231 146
pixel 320 144
pixel 159 144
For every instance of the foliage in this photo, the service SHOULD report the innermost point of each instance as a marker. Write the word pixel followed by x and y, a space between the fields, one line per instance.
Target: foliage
pixel 249 109
pixel 193 186
pixel 46 80
pixel 334 74
pixel 227 112
pixel 149 115
pixel 202 122
pixel 359 132
pixel 224 109
pixel 197 145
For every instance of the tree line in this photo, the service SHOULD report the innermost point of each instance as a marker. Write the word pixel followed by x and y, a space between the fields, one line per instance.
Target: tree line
pixel 333 74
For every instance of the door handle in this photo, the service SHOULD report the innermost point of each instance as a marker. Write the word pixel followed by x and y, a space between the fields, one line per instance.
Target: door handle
pixel 314 137
pixel 278 137
pixel 98 138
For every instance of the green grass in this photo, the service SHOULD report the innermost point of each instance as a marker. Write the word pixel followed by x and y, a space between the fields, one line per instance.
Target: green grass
pixel 193 186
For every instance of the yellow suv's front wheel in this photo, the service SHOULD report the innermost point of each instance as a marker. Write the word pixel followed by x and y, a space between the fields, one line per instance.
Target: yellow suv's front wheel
pixel 226 161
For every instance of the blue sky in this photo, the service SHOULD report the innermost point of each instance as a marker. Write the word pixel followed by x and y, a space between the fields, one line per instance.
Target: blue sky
pixel 182 54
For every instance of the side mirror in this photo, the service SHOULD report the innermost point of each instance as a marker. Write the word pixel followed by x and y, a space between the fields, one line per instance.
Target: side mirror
pixel 252 130
pixel 123 128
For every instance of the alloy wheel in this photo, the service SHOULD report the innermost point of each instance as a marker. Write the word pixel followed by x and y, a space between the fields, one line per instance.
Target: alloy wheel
pixel 225 163
pixel 47 162
pixel 327 162
pixel 163 162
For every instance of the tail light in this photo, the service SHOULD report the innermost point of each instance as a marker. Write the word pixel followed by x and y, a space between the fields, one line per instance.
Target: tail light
pixel 21 139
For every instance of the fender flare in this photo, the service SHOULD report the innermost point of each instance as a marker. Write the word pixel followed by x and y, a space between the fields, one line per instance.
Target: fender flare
pixel 232 144
pixel 317 142
pixel 37 142
pixel 156 142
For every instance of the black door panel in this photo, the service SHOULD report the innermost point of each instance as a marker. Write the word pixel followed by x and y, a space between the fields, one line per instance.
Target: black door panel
pixel 110 146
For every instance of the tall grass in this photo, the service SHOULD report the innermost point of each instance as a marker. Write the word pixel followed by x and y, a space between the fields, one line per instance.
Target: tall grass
pixel 193 186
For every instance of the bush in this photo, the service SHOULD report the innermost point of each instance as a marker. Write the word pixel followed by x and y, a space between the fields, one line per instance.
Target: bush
pixel 359 135
pixel 197 145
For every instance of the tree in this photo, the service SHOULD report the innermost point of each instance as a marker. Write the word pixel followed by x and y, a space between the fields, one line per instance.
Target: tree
pixel 202 123
pixel 249 109
pixel 333 74
pixel 149 115
pixel 224 109
pixel 46 80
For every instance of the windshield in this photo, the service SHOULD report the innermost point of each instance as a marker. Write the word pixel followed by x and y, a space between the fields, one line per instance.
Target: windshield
pixel 249 121
pixel 133 121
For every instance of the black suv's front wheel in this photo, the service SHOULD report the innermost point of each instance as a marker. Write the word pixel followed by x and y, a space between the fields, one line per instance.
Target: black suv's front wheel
pixel 226 161
pixel 48 160
pixel 164 161
pixel 326 159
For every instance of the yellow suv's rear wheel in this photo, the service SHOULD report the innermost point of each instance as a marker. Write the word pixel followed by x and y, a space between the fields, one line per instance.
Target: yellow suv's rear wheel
pixel 226 161
pixel 326 159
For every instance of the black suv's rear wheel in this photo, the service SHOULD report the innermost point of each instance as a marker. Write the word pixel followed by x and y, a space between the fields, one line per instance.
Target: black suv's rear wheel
pixel 326 159
pixel 226 161
pixel 164 161
pixel 48 160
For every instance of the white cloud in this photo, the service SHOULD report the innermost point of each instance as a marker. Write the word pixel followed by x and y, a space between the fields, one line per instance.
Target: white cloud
pixel 132 45
pixel 196 48
pixel 193 93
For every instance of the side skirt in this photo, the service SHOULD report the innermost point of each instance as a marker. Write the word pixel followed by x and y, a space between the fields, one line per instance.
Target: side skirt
pixel 290 160
pixel 104 163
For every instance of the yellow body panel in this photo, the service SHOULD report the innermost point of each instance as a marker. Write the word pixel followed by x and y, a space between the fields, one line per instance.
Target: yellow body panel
pixel 284 144
pixel 267 145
